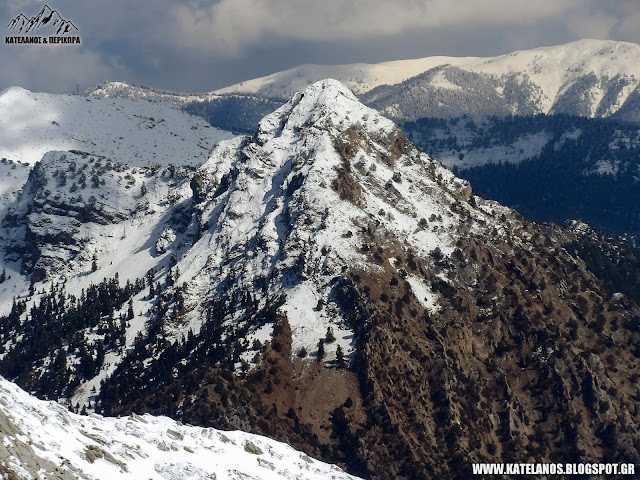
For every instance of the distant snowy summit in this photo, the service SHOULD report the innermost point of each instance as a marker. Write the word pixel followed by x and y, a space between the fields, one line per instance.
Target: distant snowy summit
pixel 136 132
pixel 594 78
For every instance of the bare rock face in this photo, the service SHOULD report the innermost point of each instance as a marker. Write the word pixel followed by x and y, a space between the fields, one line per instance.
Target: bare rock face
pixel 525 361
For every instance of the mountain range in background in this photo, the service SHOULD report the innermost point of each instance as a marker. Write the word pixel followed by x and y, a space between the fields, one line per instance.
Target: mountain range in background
pixel 592 78
pixel 553 131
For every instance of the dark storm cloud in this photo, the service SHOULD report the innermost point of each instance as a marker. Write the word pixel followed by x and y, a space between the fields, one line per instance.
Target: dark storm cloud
pixel 199 45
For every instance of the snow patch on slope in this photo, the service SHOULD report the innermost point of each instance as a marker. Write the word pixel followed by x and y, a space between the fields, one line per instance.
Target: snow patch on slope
pixel 524 148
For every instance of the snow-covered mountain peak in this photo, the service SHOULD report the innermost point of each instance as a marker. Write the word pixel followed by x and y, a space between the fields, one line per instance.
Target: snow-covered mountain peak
pixel 290 208
pixel 327 103
pixel 12 92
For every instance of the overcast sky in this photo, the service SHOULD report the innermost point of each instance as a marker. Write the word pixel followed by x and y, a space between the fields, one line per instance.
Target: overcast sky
pixel 201 45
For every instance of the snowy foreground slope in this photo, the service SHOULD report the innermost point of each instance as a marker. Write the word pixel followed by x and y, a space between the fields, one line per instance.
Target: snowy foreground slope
pixel 599 75
pixel 44 440
pixel 136 132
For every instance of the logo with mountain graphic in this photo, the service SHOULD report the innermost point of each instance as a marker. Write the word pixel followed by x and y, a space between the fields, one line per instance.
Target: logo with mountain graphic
pixel 48 22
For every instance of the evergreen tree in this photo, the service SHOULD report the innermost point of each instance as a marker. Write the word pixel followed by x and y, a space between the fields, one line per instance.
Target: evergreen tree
pixel 330 337
pixel 150 276
pixel 320 350
pixel 340 360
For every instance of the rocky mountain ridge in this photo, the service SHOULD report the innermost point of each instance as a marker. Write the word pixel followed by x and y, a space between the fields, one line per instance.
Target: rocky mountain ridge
pixel 326 283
